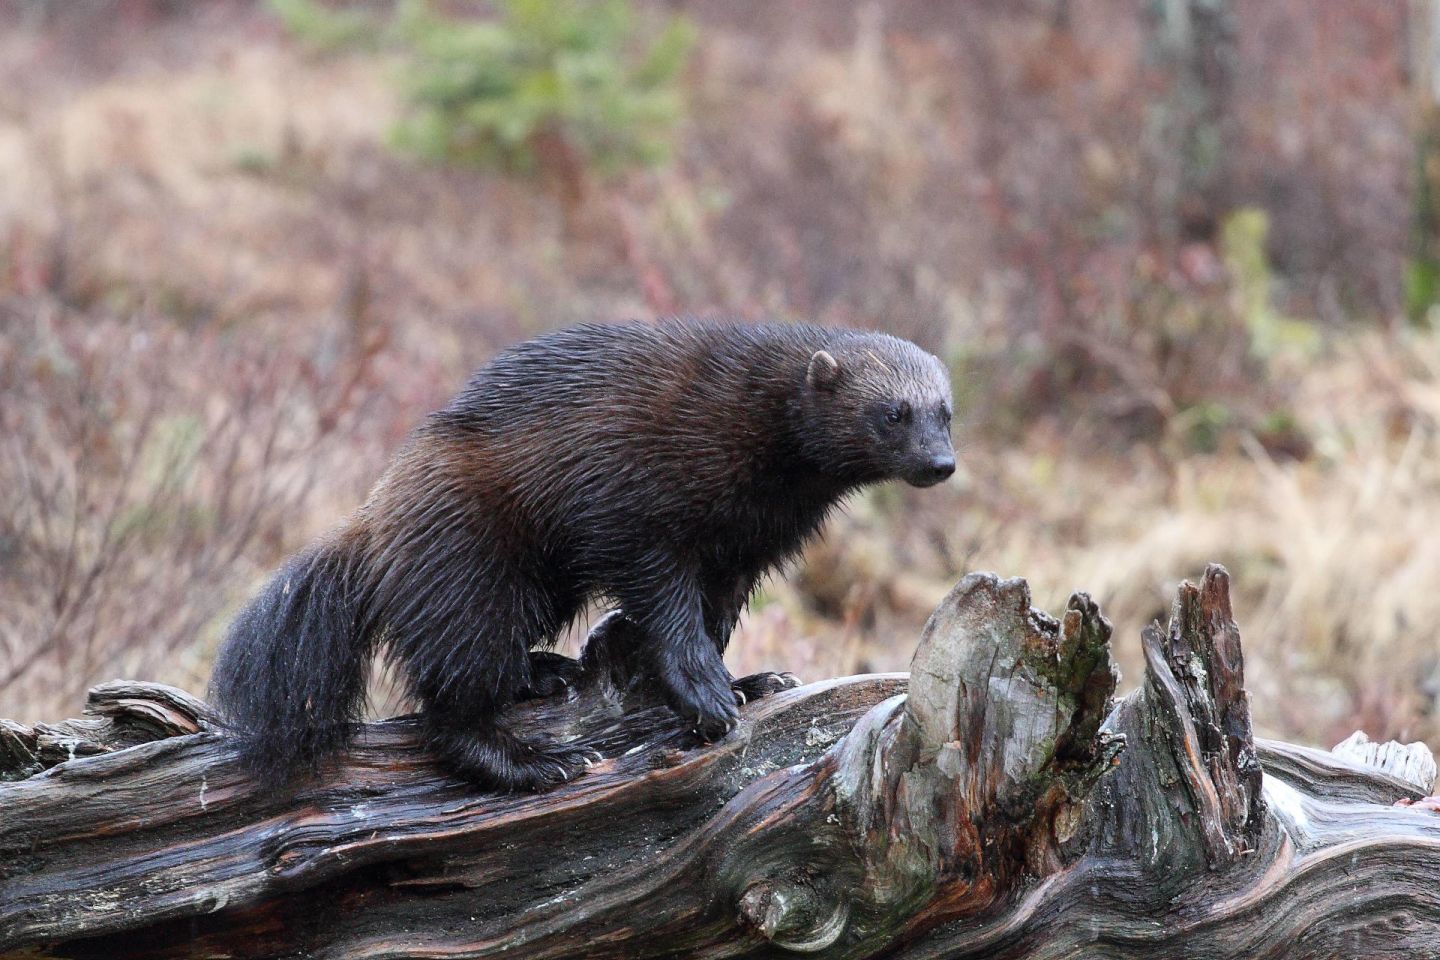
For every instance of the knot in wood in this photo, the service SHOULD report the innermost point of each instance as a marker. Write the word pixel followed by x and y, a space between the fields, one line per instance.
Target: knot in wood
pixel 793 915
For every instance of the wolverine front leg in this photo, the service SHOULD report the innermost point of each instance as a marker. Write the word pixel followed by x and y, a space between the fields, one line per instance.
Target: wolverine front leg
pixel 724 600
pixel 667 604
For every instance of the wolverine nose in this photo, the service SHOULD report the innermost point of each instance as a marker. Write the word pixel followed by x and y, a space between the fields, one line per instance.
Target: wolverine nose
pixel 940 468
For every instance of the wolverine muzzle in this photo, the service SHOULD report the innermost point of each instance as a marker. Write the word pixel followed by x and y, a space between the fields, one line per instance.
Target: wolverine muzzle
pixel 938 469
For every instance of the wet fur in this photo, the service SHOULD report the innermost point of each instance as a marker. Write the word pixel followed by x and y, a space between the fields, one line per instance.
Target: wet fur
pixel 662 468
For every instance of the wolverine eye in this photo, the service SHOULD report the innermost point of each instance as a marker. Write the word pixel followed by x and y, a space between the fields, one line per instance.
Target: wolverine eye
pixel 897 413
pixel 945 416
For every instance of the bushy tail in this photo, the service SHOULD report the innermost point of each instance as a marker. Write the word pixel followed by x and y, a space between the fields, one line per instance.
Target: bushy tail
pixel 290 678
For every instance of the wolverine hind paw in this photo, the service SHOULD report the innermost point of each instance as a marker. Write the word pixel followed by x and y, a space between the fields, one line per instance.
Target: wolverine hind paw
pixel 550 674
pixel 498 760
pixel 552 764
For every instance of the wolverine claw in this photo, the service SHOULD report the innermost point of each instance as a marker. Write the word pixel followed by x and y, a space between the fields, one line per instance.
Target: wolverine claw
pixel 713 729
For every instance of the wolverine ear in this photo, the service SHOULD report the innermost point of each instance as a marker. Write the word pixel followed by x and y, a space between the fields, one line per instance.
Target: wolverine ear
pixel 823 371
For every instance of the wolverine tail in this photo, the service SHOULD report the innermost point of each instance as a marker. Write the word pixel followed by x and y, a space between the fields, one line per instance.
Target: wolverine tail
pixel 290 678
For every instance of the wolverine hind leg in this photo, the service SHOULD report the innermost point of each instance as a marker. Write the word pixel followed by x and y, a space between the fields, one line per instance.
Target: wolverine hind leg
pixel 466 653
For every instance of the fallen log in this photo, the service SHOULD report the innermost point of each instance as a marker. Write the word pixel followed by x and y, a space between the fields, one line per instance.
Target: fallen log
pixel 999 803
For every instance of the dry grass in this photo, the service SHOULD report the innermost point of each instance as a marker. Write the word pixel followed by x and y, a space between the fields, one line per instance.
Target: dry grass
pixel 143 469
pixel 224 302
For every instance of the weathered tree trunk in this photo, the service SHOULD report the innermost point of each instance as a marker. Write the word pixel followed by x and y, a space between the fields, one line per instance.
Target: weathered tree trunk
pixel 1002 806
pixel 1194 43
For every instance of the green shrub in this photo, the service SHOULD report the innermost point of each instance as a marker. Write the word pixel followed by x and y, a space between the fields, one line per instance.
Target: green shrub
pixel 326 30
pixel 585 78
pixel 1422 270
pixel 490 93
pixel 1243 237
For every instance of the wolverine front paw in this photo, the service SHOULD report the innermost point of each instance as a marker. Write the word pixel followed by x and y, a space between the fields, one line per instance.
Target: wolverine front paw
pixel 759 685
pixel 708 702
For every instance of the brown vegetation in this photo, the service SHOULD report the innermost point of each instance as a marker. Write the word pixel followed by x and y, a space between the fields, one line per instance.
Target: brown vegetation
pixel 224 299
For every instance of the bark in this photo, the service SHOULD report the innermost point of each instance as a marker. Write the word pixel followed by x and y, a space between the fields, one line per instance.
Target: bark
pixel 998 803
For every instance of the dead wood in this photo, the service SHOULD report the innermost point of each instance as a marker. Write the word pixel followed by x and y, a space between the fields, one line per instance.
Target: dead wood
pixel 999 803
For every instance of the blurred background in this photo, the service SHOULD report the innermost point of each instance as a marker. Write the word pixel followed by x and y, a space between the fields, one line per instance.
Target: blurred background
pixel 1182 256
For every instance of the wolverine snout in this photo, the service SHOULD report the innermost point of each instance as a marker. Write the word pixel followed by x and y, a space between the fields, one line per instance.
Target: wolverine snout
pixel 941 467
pixel 932 472
pixel 930 461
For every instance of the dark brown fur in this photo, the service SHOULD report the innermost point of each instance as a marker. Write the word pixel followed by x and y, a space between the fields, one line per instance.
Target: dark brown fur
pixel 663 468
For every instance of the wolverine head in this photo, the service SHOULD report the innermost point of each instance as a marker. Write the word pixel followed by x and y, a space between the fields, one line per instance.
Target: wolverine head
pixel 885 406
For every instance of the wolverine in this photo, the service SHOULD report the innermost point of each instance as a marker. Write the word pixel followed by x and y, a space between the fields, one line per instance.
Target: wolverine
pixel 662 469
